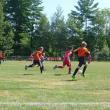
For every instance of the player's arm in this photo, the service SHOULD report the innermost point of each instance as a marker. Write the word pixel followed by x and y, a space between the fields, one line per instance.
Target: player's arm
pixel 32 54
pixel 87 51
pixel 89 56
pixel 75 50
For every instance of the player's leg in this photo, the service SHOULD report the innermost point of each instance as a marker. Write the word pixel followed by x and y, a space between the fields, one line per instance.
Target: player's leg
pixel 31 65
pixel 79 66
pixel 76 70
pixel 84 69
pixel 42 61
pixel 59 66
pixel 69 67
pixel 41 66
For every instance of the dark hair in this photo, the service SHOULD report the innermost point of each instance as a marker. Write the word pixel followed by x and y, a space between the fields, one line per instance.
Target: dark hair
pixel 68 48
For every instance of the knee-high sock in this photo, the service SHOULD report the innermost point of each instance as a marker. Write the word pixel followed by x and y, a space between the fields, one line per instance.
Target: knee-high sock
pixel 60 66
pixel 84 69
pixel 31 65
pixel 76 70
pixel 69 71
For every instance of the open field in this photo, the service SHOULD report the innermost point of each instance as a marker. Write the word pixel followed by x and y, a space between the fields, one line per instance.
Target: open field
pixel 54 89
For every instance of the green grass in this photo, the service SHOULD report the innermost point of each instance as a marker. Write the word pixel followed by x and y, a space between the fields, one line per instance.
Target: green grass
pixel 54 86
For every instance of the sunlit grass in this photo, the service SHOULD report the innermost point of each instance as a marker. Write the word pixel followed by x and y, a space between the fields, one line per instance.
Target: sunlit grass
pixel 53 86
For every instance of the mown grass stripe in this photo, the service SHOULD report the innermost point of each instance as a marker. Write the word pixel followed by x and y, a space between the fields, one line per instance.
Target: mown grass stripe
pixel 53 104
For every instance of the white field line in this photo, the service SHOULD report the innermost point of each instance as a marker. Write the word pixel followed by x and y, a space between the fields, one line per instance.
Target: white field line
pixel 56 104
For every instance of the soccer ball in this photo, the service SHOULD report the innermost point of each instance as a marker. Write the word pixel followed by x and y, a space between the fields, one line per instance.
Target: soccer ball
pixel 79 71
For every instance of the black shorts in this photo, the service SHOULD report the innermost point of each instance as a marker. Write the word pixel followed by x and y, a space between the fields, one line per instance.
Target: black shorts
pixel 36 62
pixel 82 61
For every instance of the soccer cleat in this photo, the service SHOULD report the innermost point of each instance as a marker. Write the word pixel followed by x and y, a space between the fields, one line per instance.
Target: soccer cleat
pixel 41 69
pixel 55 67
pixel 69 73
pixel 26 67
pixel 82 75
pixel 73 78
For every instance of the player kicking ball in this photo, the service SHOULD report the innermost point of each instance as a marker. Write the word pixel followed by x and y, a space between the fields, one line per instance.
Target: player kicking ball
pixel 37 59
pixel 82 53
pixel 66 60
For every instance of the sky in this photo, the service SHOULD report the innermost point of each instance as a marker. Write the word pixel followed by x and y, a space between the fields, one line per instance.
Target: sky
pixel 67 5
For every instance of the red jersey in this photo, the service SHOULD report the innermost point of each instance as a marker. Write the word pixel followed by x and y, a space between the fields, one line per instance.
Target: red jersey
pixel 67 55
pixel 1 55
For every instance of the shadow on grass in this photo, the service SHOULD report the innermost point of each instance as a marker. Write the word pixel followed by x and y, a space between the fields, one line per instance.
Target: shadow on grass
pixel 60 74
pixel 27 74
pixel 57 74
pixel 70 80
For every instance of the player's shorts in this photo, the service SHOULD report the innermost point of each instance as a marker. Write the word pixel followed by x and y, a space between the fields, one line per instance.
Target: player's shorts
pixel 36 62
pixel 82 61
pixel 66 62
pixel 1 58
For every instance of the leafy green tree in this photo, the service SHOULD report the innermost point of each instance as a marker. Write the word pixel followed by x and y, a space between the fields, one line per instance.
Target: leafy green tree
pixel 1 23
pixel 85 12
pixel 6 33
pixel 74 30
pixel 24 17
pixel 59 32
pixel 106 16
pixel 42 35
pixel 99 30
pixel 34 19
pixel 7 41
pixel 84 15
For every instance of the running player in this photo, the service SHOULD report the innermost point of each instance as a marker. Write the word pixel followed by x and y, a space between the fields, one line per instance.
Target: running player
pixel 37 59
pixel 66 61
pixel 2 56
pixel 82 53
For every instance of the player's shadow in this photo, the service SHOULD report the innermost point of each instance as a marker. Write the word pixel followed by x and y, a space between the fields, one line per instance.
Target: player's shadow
pixel 27 74
pixel 59 74
pixel 70 80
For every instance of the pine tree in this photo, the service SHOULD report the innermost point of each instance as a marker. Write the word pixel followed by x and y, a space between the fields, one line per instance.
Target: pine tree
pixel 85 12
pixel 1 23
pixel 23 16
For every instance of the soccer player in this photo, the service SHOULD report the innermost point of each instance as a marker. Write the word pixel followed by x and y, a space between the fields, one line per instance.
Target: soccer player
pixel 2 56
pixel 82 53
pixel 43 58
pixel 37 59
pixel 66 61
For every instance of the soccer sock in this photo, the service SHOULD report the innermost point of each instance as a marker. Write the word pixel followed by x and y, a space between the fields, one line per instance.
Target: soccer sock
pixel 69 72
pixel 84 69
pixel 59 66
pixel 41 69
pixel 31 65
pixel 76 70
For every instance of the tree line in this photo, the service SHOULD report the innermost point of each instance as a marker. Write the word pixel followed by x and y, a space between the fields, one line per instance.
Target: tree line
pixel 24 27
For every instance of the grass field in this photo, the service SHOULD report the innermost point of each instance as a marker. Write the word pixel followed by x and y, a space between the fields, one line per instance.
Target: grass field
pixel 54 89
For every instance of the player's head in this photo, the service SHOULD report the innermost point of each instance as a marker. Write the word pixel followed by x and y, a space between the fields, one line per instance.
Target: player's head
pixel 68 48
pixel 41 48
pixel 83 44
